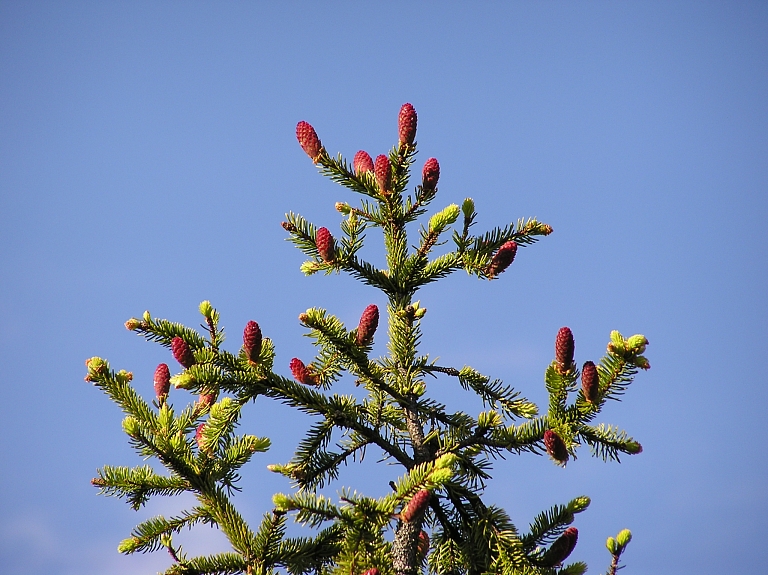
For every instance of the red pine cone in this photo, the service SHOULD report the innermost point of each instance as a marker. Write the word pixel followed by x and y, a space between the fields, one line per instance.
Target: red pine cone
pixel 416 506
pixel 301 373
pixel 564 349
pixel 555 446
pixel 406 124
pixel 423 544
pixel 383 173
pixel 182 353
pixel 362 162
pixel 502 259
pixel 562 547
pixel 430 174
pixel 369 321
pixel 590 381
pixel 162 381
pixel 252 341
pixel 308 140
pixel 325 245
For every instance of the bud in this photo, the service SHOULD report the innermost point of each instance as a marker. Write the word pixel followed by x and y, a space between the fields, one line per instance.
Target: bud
pixel 252 341
pixel 637 343
pixel 325 245
pixel 423 545
pixel 561 548
pixel 642 362
pixel 443 218
pixel 183 381
pixel 416 506
pixel 132 324
pixel 369 321
pixel 162 381
pixel 555 446
pixel 131 426
pixel 308 140
pixel 430 174
pixel 304 317
pixel 182 353
pixel 406 124
pixel 624 537
pixel 206 309
pixel 590 381
pixel 288 226
pixel 633 448
pixel 564 347
pixel 362 162
pixel 383 174
pixel 468 207
pixel 301 373
pixel 343 208
pixel 502 259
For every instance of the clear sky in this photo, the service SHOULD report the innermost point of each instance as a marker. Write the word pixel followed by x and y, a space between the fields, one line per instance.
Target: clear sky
pixel 148 154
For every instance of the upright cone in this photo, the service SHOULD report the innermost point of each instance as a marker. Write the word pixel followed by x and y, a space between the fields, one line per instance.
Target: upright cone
pixel 406 123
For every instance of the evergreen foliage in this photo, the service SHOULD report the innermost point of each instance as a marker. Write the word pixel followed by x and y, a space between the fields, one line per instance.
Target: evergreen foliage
pixel 435 518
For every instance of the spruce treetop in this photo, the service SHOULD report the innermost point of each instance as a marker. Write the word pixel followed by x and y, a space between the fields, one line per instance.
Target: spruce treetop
pixel 436 517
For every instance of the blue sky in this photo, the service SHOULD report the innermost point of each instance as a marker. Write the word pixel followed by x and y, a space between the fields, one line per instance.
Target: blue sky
pixel 148 155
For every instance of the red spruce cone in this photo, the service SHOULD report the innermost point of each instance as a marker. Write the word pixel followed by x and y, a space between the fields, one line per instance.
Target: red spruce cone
pixel 555 446
pixel 590 381
pixel 182 353
pixel 369 321
pixel 406 124
pixel 325 245
pixel 430 174
pixel 383 173
pixel 162 381
pixel 206 399
pixel 308 140
pixel 252 341
pixel 564 349
pixel 416 506
pixel 561 548
pixel 301 373
pixel 362 162
pixel 423 545
pixel 199 433
pixel 502 259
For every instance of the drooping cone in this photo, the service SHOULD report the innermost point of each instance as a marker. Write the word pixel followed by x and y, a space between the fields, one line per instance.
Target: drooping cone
pixel 325 245
pixel 564 347
pixel 561 548
pixel 308 140
pixel 406 124
pixel 182 353
pixel 423 545
pixel 301 373
pixel 590 381
pixel 555 446
pixel 381 170
pixel 430 174
pixel 252 341
pixel 162 381
pixel 369 321
pixel 416 506
pixel 362 162
pixel 502 259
